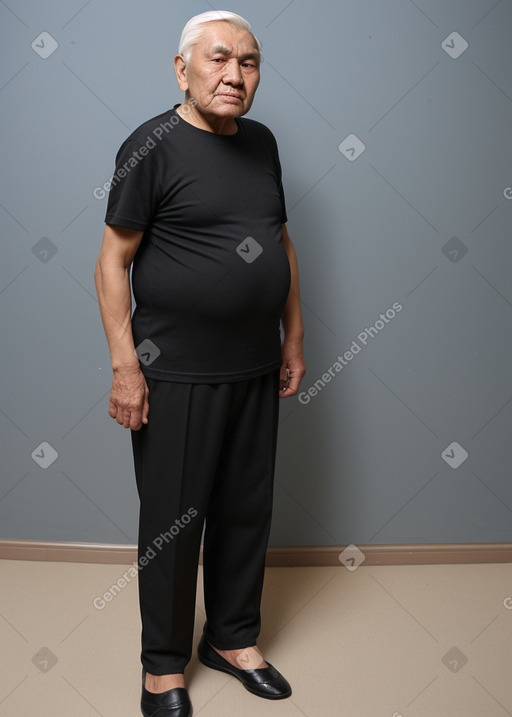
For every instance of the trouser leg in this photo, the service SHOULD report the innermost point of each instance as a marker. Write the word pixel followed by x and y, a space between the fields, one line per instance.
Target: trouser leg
pixel 175 455
pixel 239 515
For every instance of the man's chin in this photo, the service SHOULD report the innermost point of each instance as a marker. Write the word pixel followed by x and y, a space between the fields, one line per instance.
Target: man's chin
pixel 231 110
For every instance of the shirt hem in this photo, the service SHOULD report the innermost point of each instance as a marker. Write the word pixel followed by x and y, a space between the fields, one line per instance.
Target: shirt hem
pixel 125 222
pixel 177 377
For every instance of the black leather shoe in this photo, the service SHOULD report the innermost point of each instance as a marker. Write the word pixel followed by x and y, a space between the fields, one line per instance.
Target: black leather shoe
pixel 265 681
pixel 173 703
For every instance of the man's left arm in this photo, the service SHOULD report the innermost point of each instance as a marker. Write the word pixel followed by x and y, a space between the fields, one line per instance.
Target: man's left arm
pixel 293 367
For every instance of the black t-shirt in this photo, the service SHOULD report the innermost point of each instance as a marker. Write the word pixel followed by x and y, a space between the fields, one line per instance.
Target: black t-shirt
pixel 211 275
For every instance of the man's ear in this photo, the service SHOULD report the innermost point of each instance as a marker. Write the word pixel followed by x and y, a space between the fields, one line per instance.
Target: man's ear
pixel 181 72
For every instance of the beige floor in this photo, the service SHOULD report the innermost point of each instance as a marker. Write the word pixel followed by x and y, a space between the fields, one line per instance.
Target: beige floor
pixel 370 642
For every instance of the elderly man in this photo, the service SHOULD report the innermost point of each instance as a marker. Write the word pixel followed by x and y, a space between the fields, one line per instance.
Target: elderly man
pixel 196 202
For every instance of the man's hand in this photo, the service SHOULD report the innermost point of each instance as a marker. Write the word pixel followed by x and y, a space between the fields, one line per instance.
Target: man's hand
pixel 129 403
pixel 293 368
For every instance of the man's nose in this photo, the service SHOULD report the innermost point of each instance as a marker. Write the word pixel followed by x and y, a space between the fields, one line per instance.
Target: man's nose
pixel 233 74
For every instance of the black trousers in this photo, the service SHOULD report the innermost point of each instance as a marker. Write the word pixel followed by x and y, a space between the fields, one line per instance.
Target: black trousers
pixel 206 454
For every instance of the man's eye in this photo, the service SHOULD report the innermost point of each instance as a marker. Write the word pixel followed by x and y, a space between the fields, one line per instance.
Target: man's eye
pixel 248 64
pixel 217 59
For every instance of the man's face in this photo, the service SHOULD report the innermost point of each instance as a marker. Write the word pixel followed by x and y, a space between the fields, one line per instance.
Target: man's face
pixel 223 71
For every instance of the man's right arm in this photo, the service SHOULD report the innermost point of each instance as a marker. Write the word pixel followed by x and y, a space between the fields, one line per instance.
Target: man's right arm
pixel 129 395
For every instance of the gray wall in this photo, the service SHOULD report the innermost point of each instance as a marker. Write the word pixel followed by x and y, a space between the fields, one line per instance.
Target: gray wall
pixel 420 219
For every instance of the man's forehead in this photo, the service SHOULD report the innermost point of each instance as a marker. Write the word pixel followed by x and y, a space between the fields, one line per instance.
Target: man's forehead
pixel 223 49
pixel 228 38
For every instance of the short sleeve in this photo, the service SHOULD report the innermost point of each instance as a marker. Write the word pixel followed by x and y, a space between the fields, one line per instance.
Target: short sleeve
pixel 134 193
pixel 277 163
pixel 284 217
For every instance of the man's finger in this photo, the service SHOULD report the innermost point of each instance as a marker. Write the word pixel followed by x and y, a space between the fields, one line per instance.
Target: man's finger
pixel 292 387
pixel 288 391
pixel 284 378
pixel 123 417
pixel 135 420
pixel 294 384
pixel 112 409
pixel 145 409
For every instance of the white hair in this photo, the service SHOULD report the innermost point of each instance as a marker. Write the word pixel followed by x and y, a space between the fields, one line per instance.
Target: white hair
pixel 194 28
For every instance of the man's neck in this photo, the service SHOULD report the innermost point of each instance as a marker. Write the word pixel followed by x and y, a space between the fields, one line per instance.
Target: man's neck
pixel 210 123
